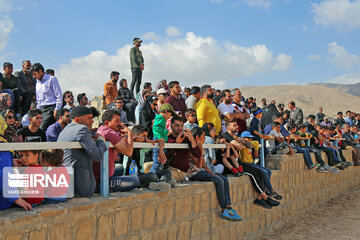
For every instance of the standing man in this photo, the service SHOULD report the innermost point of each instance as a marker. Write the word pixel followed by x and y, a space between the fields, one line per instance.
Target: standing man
pixel 110 88
pixel 206 111
pixel 48 95
pixel 175 98
pixel 296 114
pixel 193 98
pixel 137 65
pixel 320 116
pixel 26 86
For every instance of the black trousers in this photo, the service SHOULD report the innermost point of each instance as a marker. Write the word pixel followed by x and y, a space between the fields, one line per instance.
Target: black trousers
pixel 26 102
pixel 47 117
pixel 136 79
pixel 256 176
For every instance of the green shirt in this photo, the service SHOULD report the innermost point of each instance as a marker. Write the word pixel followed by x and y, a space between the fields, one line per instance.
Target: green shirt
pixel 136 57
pixel 159 128
pixel 10 83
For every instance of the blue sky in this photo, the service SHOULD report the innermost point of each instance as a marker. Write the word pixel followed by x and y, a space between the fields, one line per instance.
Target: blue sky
pixel 224 42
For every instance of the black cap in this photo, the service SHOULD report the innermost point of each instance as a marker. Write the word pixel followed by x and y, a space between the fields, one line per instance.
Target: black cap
pixel 7 64
pixel 80 111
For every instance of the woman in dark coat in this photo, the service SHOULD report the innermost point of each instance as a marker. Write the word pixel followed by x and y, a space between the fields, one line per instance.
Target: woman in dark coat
pixel 148 113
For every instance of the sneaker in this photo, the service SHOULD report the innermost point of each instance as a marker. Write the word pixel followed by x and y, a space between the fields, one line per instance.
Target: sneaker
pixel 272 202
pixel 341 167
pixel 333 170
pixel 262 203
pixel 229 215
pixel 311 166
pixel 238 174
pixel 356 163
pixel 172 182
pixel 348 163
pixel 160 186
pixel 270 194
pixel 284 151
pixel 234 213
pixel 277 196
pixel 321 169
pixel 327 167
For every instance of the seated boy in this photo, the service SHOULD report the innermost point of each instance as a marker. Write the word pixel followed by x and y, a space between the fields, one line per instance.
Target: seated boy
pixel 191 119
pixel 278 144
pixel 247 157
pixel 156 181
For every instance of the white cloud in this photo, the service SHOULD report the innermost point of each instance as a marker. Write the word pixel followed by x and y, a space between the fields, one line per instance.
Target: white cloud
pixel 192 60
pixel 172 31
pixel 314 57
pixel 342 14
pixel 340 57
pixel 5 6
pixel 5 29
pixel 150 36
pixel 349 78
pixel 265 4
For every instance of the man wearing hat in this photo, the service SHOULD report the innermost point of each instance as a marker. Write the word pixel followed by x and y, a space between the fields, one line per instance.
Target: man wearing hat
pixel 137 65
pixel 10 84
pixel 82 159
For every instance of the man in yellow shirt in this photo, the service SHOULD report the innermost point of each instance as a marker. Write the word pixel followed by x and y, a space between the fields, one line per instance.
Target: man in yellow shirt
pixel 206 111
pixel 247 157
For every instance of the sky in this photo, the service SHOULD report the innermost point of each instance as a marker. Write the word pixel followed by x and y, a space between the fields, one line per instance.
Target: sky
pixel 225 43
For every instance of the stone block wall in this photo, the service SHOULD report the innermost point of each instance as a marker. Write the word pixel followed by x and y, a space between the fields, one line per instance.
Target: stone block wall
pixel 189 211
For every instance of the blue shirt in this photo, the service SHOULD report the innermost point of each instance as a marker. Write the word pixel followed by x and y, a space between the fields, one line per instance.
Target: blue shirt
pixel 349 121
pixel 255 126
pixel 53 132
pixel 190 126
pixel 48 92
pixel 283 131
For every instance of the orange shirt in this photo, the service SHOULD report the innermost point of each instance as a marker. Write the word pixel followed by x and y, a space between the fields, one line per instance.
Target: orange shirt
pixel 110 92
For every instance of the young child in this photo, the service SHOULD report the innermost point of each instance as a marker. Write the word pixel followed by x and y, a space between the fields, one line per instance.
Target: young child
pixel 161 180
pixel 255 127
pixel 278 143
pixel 30 159
pixel 53 159
pixel 229 158
pixel 191 119
pixel 247 158
pixel 160 132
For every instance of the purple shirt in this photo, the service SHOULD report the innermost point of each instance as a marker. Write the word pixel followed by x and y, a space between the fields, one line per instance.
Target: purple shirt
pixel 177 103
pixel 48 92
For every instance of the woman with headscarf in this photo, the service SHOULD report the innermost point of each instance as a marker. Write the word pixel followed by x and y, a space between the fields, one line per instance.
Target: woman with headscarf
pixel 210 153
pixel 162 84
pixel 268 115
pixel 6 160
pixel 5 101
pixel 13 126
pixel 148 113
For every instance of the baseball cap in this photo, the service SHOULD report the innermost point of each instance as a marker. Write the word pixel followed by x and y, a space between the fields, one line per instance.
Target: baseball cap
pixel 7 64
pixel 246 134
pixel 136 40
pixel 162 91
pixel 167 107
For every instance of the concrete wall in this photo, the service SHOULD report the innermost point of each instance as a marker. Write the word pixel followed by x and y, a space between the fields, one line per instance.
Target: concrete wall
pixel 187 212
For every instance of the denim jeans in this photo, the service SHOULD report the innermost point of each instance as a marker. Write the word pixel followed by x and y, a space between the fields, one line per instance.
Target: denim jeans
pixel 317 153
pixel 123 183
pixel 157 165
pixel 221 186
pixel 137 114
pixel 306 154
pixel 267 175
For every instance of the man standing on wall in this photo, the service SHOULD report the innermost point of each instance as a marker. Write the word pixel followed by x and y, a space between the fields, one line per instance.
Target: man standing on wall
pixel 137 65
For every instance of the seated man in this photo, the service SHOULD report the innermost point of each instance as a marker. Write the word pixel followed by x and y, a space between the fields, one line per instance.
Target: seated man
pixel 63 119
pixel 351 144
pixel 278 144
pixel 119 103
pixel 129 100
pixel 33 132
pixel 179 158
pixel 82 159
pixel 111 131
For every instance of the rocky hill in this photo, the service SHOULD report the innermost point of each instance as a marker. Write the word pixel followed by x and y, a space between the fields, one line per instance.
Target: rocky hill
pixel 308 97
pixel 353 89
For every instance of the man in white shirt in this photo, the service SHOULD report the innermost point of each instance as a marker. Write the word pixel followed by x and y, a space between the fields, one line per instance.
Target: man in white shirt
pixel 227 110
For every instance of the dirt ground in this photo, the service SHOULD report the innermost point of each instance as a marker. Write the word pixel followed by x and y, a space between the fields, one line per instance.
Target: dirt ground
pixel 337 219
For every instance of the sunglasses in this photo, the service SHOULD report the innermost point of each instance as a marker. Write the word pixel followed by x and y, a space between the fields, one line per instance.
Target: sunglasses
pixel 10 117
pixel 155 104
pixel 70 96
pixel 192 115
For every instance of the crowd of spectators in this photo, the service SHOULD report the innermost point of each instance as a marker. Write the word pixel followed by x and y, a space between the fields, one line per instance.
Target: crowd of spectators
pixel 34 109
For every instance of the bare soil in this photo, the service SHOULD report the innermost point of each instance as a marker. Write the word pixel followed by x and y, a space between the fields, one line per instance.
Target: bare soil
pixel 337 219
